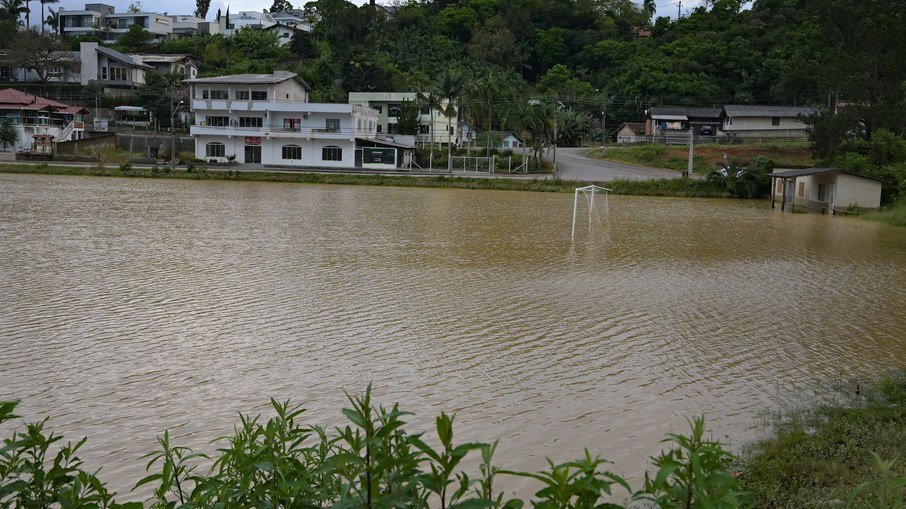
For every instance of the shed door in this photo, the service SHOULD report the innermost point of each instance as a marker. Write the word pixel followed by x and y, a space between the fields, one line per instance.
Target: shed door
pixel 831 198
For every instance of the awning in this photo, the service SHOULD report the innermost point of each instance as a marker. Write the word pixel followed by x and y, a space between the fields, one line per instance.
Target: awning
pixel 670 117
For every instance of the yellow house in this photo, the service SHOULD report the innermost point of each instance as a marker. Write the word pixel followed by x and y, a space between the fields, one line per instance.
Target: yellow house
pixel 825 189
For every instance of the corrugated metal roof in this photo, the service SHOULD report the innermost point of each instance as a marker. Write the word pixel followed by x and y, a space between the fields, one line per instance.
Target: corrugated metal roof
pixel 804 172
pixel 252 79
pixel 686 111
pixel 735 110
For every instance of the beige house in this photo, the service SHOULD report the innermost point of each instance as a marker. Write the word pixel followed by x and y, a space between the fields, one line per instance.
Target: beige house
pixel 825 190
pixel 757 122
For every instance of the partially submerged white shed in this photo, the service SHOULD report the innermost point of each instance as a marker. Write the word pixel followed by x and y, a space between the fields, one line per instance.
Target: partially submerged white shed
pixel 825 189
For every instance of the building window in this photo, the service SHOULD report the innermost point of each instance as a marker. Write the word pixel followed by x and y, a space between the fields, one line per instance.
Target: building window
pixel 333 125
pixel 393 128
pixel 393 110
pixel 822 192
pixel 331 154
pixel 251 121
pixel 378 108
pixel 292 123
pixel 426 110
pixel 379 128
pixel 205 94
pixel 242 95
pixel 775 121
pixel 215 149
pixel 292 152
pixel 779 186
pixel 213 121
pixel 219 94
pixel 424 129
pixel 259 95
pixel 802 189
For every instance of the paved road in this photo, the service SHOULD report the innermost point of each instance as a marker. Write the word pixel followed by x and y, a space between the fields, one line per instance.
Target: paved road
pixel 575 165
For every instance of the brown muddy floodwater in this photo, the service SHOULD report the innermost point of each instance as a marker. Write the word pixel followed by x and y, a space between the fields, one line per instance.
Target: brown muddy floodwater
pixel 133 306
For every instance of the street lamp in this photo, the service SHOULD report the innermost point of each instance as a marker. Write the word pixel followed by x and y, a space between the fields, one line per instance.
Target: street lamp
pixel 173 136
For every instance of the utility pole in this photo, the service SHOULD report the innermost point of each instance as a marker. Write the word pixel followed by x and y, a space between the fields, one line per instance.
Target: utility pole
pixel 173 136
pixel 679 10
pixel 691 150
pixel 556 133
pixel 603 125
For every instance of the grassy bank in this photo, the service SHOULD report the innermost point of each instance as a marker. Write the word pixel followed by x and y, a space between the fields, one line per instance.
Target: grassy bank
pixel 706 157
pixel 666 187
pixel 820 457
pixel 894 214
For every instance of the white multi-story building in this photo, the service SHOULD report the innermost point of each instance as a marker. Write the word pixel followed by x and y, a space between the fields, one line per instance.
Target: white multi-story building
pixel 101 20
pixel 434 127
pixel 267 119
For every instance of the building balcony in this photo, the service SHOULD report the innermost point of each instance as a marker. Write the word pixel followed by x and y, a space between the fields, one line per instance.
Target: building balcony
pixel 276 132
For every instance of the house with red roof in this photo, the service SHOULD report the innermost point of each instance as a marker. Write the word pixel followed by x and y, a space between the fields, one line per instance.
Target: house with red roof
pixel 34 115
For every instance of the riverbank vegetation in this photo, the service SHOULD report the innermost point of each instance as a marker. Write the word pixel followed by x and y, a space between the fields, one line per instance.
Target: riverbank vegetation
pixel 542 183
pixel 840 455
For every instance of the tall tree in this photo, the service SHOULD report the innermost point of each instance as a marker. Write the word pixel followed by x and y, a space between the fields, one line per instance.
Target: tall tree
pixel 41 53
pixel 43 3
pixel 201 8
pixel 53 20
pixel 451 86
pixel 281 6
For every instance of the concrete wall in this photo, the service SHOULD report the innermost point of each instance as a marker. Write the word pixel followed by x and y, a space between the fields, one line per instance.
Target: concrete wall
pixel 858 191
pixel 145 144
pixel 80 146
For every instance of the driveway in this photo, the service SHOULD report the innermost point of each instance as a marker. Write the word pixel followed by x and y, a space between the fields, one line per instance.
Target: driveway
pixel 575 165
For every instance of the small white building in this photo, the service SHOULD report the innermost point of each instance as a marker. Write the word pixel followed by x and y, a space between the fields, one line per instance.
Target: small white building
pixel 825 190
pixel 228 24
pixel 631 132
pixel 267 119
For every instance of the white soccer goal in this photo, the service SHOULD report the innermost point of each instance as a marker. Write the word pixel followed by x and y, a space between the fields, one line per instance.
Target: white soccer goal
pixel 589 193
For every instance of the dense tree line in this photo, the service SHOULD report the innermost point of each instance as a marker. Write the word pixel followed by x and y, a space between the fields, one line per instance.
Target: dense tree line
pixel 530 64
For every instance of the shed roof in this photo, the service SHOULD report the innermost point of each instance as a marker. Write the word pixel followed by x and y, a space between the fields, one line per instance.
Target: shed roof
pixel 685 111
pixel 735 110
pixel 804 172
pixel 637 127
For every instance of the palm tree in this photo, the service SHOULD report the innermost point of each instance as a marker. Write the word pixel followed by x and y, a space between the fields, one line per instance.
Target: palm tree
pixel 649 7
pixel 53 20
pixel 14 9
pixel 451 86
pixel 43 3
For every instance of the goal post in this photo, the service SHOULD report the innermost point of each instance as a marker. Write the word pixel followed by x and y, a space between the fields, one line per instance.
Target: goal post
pixel 589 192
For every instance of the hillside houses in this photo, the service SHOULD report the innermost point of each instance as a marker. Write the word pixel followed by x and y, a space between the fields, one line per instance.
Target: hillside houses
pixel 672 124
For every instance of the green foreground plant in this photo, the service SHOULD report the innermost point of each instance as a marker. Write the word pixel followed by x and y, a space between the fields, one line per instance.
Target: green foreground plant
pixel 374 462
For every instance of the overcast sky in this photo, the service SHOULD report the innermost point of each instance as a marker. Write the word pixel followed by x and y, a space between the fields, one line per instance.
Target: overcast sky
pixel 665 7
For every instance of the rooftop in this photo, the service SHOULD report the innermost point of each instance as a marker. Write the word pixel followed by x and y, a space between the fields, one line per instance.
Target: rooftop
pixel 251 79
pixel 735 110
pixel 804 172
